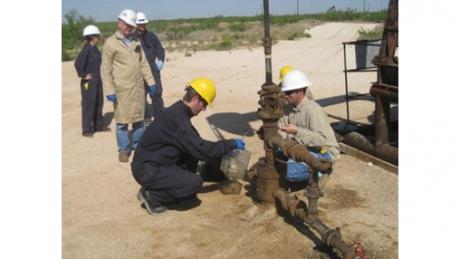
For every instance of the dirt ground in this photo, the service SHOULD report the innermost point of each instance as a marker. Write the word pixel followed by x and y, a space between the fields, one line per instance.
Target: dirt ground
pixel 101 217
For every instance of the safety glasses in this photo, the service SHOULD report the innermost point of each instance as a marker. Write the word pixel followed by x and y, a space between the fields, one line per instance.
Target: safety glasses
pixel 289 93
pixel 205 104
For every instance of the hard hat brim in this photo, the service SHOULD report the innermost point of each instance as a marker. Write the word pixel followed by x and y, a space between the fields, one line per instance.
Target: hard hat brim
pixel 295 80
pixel 92 34
pixel 293 89
pixel 127 22
pixel 143 22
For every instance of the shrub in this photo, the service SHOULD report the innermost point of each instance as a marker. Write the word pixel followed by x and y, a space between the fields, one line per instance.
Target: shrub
pixel 373 34
pixel 298 35
pixel 218 32
pixel 224 45
pixel 64 55
pixel 238 27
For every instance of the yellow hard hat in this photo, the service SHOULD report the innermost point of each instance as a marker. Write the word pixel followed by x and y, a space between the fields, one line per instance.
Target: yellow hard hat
pixel 284 70
pixel 205 88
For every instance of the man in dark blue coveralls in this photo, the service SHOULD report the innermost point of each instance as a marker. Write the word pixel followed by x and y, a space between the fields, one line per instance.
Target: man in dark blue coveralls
pixel 155 54
pixel 166 158
pixel 88 66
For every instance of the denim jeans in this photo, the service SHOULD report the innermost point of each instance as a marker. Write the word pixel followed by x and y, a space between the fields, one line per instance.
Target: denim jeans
pixel 299 171
pixel 123 141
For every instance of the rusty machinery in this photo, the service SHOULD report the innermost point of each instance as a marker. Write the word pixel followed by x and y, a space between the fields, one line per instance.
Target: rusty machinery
pixel 270 186
pixel 385 92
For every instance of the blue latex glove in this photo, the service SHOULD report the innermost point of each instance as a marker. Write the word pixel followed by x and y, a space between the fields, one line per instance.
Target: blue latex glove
pixel 112 97
pixel 152 89
pixel 240 144
pixel 159 64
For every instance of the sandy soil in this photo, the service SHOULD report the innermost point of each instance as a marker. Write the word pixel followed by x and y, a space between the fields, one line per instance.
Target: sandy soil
pixel 102 218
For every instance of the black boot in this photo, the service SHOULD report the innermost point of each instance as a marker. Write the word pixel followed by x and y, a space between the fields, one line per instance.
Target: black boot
pixel 152 206
pixel 185 204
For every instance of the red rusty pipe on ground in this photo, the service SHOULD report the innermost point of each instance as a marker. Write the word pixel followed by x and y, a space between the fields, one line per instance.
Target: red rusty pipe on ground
pixel 298 209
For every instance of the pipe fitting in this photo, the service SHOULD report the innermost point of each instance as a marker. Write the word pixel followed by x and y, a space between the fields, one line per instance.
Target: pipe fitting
pixel 299 153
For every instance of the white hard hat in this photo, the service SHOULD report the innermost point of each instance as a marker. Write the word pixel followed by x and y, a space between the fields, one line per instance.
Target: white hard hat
pixel 91 30
pixel 128 16
pixel 294 80
pixel 141 18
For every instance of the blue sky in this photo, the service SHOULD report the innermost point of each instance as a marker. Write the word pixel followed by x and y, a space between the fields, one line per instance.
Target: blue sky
pixel 105 10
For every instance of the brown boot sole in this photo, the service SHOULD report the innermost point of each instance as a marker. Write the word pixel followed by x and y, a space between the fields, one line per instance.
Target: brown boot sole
pixel 123 157
pixel 88 135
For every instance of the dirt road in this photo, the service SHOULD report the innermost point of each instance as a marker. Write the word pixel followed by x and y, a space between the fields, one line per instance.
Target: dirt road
pixel 102 218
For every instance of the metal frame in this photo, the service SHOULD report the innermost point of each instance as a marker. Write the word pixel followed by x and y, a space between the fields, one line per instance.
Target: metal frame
pixel 346 70
pixel 384 92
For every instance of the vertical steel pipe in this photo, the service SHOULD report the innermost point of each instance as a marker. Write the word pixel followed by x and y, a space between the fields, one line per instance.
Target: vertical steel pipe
pixel 271 109
pixel 345 71
pixel 381 125
pixel 267 44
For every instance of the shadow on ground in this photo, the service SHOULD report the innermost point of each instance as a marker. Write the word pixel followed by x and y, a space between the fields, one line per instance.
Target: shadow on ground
pixel 233 122
pixel 238 123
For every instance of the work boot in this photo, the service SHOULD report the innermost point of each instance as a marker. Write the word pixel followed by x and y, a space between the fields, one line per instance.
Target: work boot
pixel 123 156
pixel 185 204
pixel 88 134
pixel 153 207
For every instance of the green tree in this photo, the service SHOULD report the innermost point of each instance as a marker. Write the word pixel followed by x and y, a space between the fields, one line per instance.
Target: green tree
pixel 72 29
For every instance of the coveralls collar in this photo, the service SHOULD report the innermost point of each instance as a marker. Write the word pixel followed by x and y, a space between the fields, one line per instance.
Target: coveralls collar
pixel 185 108
pixel 90 45
pixel 142 33
pixel 120 36
pixel 300 105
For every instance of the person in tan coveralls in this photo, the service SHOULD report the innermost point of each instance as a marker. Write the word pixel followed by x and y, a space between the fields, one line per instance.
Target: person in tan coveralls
pixel 124 69
pixel 306 123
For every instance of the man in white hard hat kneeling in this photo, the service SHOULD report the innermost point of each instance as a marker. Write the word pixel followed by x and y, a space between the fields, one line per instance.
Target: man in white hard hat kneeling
pixel 124 69
pixel 305 122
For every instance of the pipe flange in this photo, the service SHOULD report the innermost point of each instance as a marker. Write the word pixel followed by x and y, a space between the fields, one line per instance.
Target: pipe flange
pixel 312 192
pixel 331 236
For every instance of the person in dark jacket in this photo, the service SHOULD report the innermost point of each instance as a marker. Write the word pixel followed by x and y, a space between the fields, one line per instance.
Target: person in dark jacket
pixel 155 54
pixel 166 158
pixel 88 66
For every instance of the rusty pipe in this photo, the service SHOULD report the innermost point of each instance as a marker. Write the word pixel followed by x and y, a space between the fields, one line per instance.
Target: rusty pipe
pixel 299 153
pixel 382 110
pixel 383 151
pixel 298 209
pixel 270 111
pixel 389 94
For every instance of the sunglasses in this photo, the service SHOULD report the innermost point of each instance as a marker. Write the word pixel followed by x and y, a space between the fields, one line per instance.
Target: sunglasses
pixel 205 104
pixel 288 93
